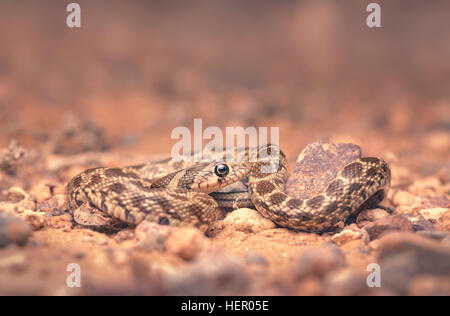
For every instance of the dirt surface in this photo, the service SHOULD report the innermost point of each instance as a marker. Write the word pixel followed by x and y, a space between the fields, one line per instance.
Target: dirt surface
pixel 111 92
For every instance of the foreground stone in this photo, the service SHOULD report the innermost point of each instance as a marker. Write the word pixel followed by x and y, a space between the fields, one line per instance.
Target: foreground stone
pixel 152 236
pixel 350 233
pixel 247 220
pixel 439 216
pixel 214 272
pixel 13 230
pixel 405 256
pixel 318 261
pixel 388 224
pixel 186 242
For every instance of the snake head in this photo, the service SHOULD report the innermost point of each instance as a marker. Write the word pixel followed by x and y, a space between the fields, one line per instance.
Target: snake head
pixel 210 177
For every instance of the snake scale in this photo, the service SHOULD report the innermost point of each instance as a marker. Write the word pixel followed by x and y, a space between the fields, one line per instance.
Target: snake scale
pixel 182 197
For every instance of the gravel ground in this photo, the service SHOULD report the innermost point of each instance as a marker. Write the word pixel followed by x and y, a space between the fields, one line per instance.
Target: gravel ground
pixel 111 92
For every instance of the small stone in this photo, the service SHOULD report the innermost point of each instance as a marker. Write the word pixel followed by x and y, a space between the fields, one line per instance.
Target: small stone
pixel 310 286
pixel 404 198
pixel 434 215
pixel 102 241
pixel 350 233
pixel 445 222
pixel 404 209
pixel 318 261
pixel 41 191
pixel 119 256
pixel 419 223
pixel 252 257
pixel 79 136
pixel 434 234
pixel 18 202
pixel 446 241
pixel 14 195
pixel 371 215
pixel 403 256
pixel 213 272
pixel 152 236
pixel 36 220
pixel 13 230
pixel 388 224
pixel 427 186
pixel 438 140
pixel 247 220
pixel 345 282
pixel 186 242
pixel 10 158
pixel 63 221
pixel 429 286
pixel 87 239
pixel 15 261
pixel 56 204
pixel 123 235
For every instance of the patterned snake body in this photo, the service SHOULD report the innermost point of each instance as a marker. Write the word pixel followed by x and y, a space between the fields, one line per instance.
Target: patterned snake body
pixel 181 197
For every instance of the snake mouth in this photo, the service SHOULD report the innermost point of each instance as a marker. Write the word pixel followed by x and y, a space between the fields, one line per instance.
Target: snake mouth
pixel 235 187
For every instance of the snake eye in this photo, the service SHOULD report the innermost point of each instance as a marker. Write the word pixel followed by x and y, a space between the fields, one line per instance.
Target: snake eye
pixel 221 170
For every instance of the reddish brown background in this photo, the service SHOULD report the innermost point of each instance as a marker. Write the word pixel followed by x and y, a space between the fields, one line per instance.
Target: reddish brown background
pixel 138 69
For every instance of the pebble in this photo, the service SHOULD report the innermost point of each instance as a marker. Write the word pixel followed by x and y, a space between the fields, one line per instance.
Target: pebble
pixel 426 186
pixel 388 224
pixel 152 236
pixel 63 221
pixel 345 282
pixel 13 230
pixel 186 242
pixel 55 205
pixel 419 223
pixel 404 209
pixel 79 136
pixel 213 272
pixel 14 195
pixel 17 201
pixel 371 216
pixel 247 220
pixel 429 286
pixel 123 235
pixel 36 220
pixel 435 215
pixel 318 261
pixel 404 198
pixel 350 233
pixel 434 234
pixel 403 256
pixel 445 224
pixel 252 257
pixel 309 286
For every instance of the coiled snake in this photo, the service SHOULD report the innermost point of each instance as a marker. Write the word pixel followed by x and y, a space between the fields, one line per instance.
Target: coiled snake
pixel 179 198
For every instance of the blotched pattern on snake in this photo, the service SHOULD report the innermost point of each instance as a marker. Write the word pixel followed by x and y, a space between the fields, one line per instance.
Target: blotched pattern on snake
pixel 174 193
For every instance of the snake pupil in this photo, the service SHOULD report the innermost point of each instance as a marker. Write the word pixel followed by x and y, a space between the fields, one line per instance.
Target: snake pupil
pixel 221 170
pixel 163 221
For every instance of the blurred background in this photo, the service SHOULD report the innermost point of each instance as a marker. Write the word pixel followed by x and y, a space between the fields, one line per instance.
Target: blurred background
pixel 137 69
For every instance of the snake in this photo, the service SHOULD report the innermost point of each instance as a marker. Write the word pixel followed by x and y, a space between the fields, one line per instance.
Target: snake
pixel 180 193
